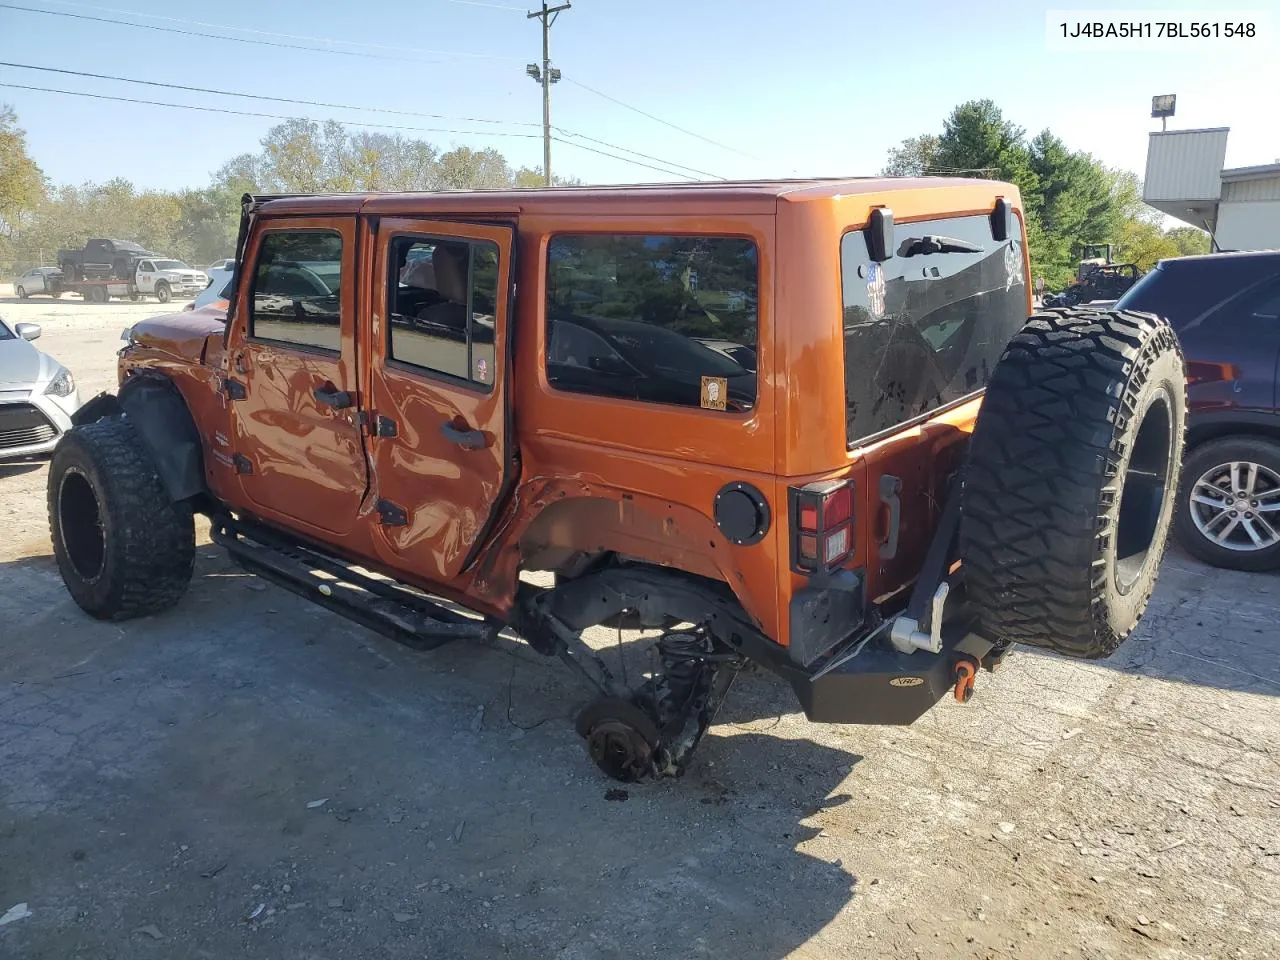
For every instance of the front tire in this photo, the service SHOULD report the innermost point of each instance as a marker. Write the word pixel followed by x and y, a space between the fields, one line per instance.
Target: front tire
pixel 124 549
pixel 21 292
pixel 1229 503
pixel 1069 491
pixel 163 293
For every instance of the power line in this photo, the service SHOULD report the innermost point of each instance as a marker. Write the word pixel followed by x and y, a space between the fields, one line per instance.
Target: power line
pixel 380 126
pixel 345 106
pixel 286 36
pixel 258 96
pixel 606 143
pixel 634 163
pixel 268 116
pixel 262 43
pixel 666 123
pixel 348 53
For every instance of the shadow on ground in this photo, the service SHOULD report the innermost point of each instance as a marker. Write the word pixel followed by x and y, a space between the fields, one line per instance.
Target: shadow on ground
pixel 16 468
pixel 249 773
pixel 1208 627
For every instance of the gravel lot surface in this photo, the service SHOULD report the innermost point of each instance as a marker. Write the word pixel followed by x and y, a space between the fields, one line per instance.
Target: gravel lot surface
pixel 250 776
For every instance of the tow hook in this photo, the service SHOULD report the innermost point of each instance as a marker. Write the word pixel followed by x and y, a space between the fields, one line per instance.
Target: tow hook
pixel 965 671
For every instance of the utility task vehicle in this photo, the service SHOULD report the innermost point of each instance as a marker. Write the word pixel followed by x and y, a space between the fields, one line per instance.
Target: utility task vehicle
pixel 415 399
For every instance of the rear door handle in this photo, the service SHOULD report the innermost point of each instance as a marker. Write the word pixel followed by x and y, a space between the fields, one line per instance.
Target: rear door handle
pixel 332 397
pixel 466 439
pixel 890 488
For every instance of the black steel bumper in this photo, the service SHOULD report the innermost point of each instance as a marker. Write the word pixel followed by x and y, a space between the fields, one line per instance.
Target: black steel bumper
pixel 884 687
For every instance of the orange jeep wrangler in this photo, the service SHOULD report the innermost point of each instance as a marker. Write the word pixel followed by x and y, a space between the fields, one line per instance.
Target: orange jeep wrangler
pixel 805 424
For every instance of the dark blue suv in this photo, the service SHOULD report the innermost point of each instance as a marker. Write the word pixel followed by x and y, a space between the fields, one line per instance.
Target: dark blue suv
pixel 1226 310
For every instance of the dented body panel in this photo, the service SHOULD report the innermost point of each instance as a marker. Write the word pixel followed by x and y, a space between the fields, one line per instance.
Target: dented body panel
pixel 456 484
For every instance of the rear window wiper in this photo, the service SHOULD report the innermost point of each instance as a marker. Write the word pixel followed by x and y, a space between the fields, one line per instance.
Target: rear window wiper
pixel 917 246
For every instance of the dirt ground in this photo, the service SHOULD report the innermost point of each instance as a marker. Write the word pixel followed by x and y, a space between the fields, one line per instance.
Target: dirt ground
pixel 250 776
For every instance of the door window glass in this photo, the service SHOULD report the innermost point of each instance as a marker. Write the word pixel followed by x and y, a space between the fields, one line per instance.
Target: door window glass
pixel 442 296
pixel 296 289
pixel 663 319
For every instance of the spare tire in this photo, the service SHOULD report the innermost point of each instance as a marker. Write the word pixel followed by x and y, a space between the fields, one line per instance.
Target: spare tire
pixel 1071 480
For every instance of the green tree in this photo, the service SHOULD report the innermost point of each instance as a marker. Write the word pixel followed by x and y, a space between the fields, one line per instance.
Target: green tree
pixel 1190 241
pixel 915 157
pixel 302 156
pixel 22 185
pixel 1143 243
pixel 1078 205
pixel 977 141
pixel 1069 198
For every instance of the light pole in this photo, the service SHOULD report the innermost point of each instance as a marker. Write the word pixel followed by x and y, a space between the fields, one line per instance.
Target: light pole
pixel 546 76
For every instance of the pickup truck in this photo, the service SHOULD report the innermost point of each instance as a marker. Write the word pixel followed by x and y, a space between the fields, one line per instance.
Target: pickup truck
pixel 102 260
pixel 158 277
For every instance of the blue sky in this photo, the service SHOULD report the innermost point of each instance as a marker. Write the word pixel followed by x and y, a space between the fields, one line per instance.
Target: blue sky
pixel 823 87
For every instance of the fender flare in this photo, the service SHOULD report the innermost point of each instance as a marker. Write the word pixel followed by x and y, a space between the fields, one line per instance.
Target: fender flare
pixel 154 405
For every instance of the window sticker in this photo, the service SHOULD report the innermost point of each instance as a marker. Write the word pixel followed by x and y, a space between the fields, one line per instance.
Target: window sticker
pixel 715 390
pixel 875 289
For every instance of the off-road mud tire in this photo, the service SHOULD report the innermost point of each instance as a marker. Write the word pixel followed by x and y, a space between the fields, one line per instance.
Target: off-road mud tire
pixel 1061 537
pixel 139 562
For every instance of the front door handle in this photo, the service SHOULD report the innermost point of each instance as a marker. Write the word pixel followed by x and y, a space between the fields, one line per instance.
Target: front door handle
pixel 332 397
pixel 466 439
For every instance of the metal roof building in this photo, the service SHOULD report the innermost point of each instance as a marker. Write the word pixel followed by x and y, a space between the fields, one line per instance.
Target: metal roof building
pixel 1185 179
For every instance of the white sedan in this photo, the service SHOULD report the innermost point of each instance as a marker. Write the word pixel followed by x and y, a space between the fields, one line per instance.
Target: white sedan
pixel 36 280
pixel 37 394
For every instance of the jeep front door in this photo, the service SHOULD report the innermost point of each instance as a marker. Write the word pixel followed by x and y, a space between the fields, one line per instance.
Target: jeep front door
pixel 437 389
pixel 293 386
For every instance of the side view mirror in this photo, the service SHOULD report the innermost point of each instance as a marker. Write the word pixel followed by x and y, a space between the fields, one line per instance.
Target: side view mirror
pixel 27 331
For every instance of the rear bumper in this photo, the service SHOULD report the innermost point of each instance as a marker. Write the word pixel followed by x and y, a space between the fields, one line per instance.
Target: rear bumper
pixel 881 686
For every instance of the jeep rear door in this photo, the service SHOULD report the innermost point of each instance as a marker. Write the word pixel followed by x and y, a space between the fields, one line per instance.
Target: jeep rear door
pixel 437 362
pixel 293 386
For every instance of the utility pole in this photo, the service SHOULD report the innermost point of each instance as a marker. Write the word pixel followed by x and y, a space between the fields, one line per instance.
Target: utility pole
pixel 546 76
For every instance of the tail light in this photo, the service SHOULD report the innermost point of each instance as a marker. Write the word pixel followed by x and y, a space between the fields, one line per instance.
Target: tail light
pixel 821 525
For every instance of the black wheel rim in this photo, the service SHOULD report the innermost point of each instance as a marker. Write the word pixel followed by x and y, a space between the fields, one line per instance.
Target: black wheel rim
pixel 1143 500
pixel 80 526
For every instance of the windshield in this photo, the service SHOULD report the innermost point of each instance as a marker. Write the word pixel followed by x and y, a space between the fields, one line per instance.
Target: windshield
pixel 170 265
pixel 925 328
pixel 5 332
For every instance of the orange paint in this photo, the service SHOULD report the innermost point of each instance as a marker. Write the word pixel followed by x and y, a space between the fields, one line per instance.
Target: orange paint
pixel 559 474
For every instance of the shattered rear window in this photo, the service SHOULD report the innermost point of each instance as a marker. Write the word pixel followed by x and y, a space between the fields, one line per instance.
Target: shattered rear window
pixel 924 329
